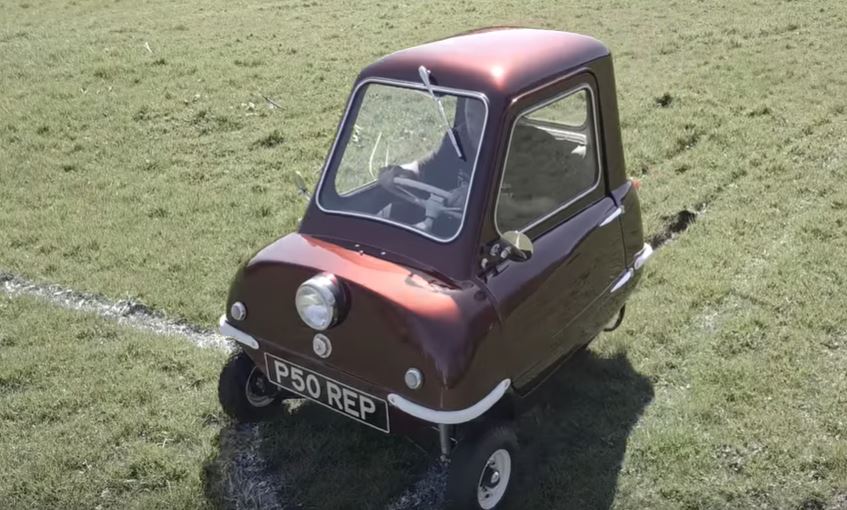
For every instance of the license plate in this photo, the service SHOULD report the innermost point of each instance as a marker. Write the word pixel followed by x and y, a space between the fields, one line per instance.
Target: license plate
pixel 349 401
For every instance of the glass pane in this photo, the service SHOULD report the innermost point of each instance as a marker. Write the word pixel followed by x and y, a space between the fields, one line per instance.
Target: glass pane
pixel 551 161
pixel 572 111
pixel 394 126
pixel 399 133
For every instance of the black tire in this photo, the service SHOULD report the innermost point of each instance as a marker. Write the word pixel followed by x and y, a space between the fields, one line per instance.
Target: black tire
pixel 245 393
pixel 469 469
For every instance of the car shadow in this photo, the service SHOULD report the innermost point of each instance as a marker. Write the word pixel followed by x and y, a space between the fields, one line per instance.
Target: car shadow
pixel 311 458
pixel 573 439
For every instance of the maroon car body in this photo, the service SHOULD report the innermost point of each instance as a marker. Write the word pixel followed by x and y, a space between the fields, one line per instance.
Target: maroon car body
pixel 481 328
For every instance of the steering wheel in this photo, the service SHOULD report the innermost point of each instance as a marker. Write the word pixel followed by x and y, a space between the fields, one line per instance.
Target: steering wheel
pixel 434 204
pixel 404 182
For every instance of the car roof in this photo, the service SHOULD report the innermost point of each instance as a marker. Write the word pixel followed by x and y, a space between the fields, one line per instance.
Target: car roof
pixel 495 61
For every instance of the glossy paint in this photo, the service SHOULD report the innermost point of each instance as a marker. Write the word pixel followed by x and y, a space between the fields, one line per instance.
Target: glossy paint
pixel 398 317
pixel 415 302
pixel 546 301
pixel 508 66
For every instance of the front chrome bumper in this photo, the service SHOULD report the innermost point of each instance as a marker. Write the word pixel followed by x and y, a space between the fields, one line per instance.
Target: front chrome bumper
pixel 230 331
pixel 451 417
pixel 407 406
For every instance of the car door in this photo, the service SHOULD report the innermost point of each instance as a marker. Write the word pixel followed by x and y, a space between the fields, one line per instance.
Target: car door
pixel 553 190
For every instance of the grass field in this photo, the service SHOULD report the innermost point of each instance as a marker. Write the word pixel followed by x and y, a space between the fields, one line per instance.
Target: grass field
pixel 153 173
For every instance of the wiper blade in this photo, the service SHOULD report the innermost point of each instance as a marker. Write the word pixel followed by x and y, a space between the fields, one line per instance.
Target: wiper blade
pixel 424 73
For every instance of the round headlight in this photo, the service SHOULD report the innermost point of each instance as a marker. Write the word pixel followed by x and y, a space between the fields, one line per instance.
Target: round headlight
pixel 319 300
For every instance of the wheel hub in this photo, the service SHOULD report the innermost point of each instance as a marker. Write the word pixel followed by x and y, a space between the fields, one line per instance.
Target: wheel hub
pixel 494 479
pixel 257 390
pixel 491 477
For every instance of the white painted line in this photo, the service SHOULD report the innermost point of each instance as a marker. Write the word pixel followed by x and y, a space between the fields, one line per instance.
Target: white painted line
pixel 427 493
pixel 249 481
pixel 126 311
pixel 248 478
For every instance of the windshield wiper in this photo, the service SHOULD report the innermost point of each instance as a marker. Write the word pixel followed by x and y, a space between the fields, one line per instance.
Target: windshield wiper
pixel 424 72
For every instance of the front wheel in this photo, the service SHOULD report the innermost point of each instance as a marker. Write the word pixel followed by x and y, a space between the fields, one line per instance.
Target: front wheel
pixel 482 469
pixel 245 393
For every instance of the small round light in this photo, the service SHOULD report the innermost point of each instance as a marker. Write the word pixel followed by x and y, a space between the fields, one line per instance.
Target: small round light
pixel 413 378
pixel 238 311
pixel 322 346
pixel 320 301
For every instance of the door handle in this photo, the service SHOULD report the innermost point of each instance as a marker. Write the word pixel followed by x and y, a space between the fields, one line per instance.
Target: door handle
pixel 612 216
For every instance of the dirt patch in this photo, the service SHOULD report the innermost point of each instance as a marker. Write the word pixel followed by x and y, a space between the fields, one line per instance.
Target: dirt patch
pixel 675 224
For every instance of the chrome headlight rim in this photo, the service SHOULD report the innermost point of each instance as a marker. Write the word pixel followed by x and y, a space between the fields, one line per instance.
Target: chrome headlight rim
pixel 413 378
pixel 238 311
pixel 331 293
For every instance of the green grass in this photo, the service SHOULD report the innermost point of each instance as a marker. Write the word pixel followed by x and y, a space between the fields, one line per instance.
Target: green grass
pixel 128 172
pixel 92 414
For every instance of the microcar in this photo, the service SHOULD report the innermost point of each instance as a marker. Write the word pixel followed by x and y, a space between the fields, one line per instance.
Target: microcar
pixel 472 228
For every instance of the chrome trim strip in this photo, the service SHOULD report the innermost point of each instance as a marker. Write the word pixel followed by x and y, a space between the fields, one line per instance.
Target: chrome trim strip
pixel 640 259
pixel 230 331
pixel 451 417
pixel 408 85
pixel 583 86
pixel 622 280
pixel 642 256
pixel 611 217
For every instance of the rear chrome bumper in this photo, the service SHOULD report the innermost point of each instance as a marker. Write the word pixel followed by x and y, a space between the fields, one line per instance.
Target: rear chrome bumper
pixel 637 263
pixel 451 417
pixel 642 256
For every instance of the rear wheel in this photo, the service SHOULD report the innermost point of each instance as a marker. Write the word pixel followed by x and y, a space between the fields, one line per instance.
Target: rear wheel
pixel 482 469
pixel 245 393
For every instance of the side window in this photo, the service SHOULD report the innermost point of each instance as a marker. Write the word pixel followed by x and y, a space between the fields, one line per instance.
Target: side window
pixel 552 160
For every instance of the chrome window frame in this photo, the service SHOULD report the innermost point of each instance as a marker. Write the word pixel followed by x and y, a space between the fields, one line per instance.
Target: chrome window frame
pixel 343 125
pixel 599 167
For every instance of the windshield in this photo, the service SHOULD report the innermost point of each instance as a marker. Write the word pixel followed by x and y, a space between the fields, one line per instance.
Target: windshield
pixel 395 160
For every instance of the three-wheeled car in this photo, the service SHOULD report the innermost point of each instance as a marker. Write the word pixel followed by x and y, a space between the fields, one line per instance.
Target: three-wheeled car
pixel 473 227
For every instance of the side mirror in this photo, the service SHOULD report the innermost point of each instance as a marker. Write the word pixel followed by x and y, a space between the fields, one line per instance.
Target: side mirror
pixel 516 246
